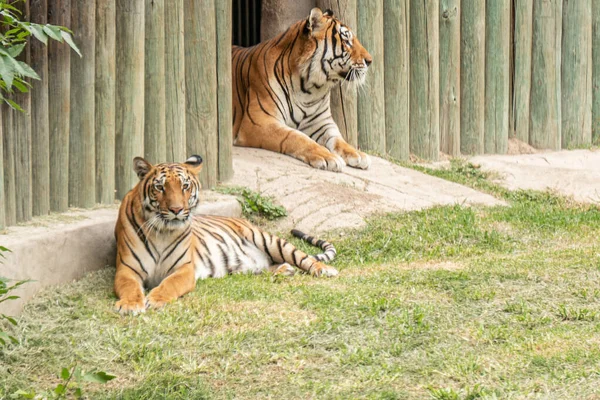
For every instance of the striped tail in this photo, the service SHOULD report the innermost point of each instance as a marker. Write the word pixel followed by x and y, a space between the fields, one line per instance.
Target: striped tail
pixel 329 251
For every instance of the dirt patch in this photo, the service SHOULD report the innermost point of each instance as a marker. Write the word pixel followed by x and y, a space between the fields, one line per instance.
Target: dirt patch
pixel 573 173
pixel 516 146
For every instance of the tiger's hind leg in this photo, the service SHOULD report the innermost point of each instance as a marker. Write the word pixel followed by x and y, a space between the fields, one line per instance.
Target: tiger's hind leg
pixel 284 269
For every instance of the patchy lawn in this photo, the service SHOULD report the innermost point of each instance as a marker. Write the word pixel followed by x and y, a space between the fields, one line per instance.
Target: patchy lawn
pixel 448 303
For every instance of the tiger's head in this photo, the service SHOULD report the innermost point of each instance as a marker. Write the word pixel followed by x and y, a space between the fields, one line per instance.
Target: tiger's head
pixel 169 192
pixel 334 53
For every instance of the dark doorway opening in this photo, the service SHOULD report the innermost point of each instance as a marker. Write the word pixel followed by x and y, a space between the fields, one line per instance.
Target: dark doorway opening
pixel 246 22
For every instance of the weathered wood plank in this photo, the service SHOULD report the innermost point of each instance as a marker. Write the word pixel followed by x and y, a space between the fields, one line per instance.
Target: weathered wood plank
pixel 343 98
pixel 450 77
pixel 129 91
pixel 545 99
pixel 2 191
pixel 596 72
pixel 576 73
pixel 21 126
pixel 9 204
pixel 201 86
pixel 523 36
pixel 424 79
pixel 82 142
pixel 155 140
pixel 105 101
pixel 497 75
pixel 224 94
pixel 175 82
pixel 59 88
pixel 396 64
pixel 472 77
pixel 40 133
pixel 371 97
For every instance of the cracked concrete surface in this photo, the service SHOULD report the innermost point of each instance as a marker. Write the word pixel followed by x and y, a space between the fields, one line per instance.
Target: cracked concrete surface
pixel 573 173
pixel 321 200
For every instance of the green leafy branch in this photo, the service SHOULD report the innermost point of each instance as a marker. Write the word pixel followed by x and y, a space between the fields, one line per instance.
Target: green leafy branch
pixel 16 32
pixel 72 380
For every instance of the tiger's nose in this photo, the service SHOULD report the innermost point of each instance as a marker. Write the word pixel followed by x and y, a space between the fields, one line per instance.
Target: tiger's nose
pixel 175 209
pixel 368 60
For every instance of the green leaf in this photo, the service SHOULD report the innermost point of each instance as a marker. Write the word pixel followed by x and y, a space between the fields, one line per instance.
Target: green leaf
pixel 2 248
pixel 98 377
pixel 78 393
pixel 14 51
pixel 38 32
pixel 4 337
pixel 65 374
pixel 21 86
pixel 60 390
pixel 69 39
pixel 7 74
pixel 14 105
pixel 9 319
pixel 28 71
pixel 53 32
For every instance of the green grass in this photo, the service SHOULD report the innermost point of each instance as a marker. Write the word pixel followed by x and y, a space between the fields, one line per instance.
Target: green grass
pixel 447 303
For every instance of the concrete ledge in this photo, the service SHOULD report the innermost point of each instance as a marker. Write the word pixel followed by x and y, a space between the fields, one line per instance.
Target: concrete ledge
pixel 63 247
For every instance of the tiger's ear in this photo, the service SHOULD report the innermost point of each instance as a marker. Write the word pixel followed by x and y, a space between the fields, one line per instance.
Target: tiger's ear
pixel 141 167
pixel 314 21
pixel 194 164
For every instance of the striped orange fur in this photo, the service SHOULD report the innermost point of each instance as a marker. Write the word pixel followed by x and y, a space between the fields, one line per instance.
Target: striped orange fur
pixel 164 247
pixel 281 91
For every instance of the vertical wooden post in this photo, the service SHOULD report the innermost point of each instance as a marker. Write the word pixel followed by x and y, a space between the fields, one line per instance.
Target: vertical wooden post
pixel 371 97
pixel 105 101
pixel 154 122
pixel 59 109
pixel 82 142
pixel 201 86
pixel 396 15
pixel 424 79
pixel 576 74
pixel 8 143
pixel 224 112
pixel 129 91
pixel 2 191
pixel 545 108
pixel 472 76
pixel 343 99
pixel 522 68
pixel 450 77
pixel 175 82
pixel 497 75
pixel 596 72
pixel 21 126
pixel 40 133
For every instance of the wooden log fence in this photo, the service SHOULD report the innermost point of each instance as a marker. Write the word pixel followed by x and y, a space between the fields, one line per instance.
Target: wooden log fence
pixel 456 76
pixel 87 117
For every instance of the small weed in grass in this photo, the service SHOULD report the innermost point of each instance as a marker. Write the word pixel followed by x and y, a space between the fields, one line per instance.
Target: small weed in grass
pixel 254 204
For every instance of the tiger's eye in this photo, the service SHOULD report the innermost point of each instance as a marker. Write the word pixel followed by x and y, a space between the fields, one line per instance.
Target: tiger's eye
pixel 159 187
pixel 186 186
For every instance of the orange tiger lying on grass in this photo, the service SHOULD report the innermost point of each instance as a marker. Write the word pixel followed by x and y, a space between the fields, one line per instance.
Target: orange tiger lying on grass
pixel 281 91
pixel 162 246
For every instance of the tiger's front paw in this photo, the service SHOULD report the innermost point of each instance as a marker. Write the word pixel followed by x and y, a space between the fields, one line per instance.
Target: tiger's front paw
pixel 327 161
pixel 358 160
pixel 351 156
pixel 320 269
pixel 156 300
pixel 127 306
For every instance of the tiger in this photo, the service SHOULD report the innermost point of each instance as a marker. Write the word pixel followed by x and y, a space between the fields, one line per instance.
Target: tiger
pixel 281 91
pixel 165 247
